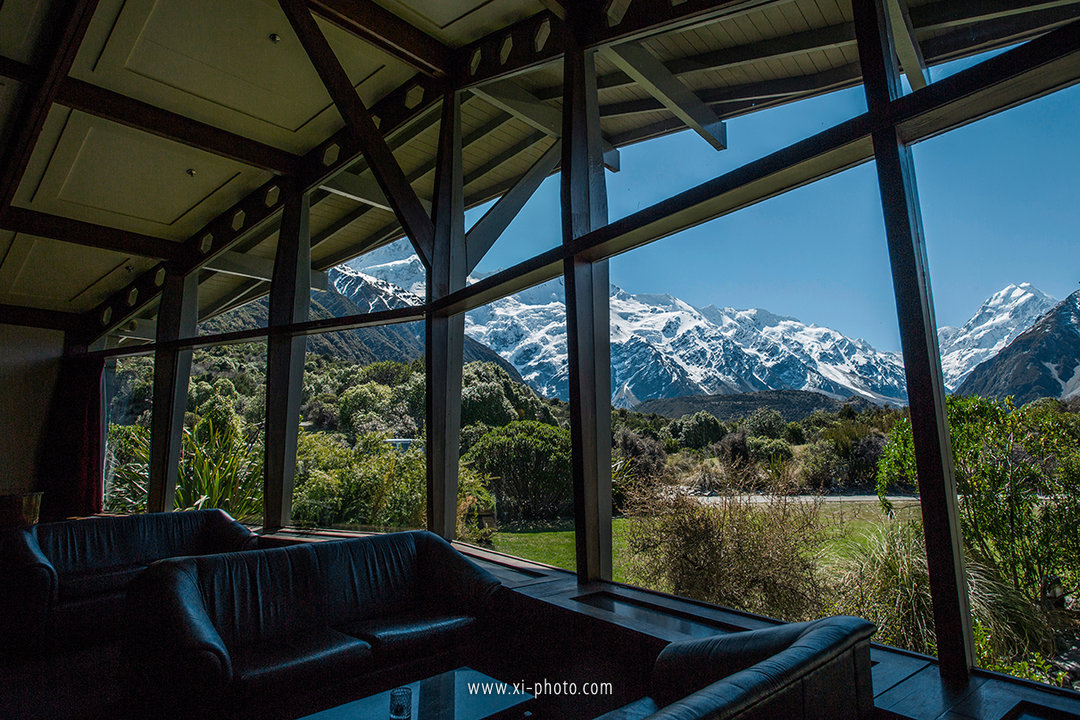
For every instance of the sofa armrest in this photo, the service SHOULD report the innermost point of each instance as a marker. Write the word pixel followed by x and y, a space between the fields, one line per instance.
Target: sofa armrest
pixel 777 655
pixel 455 581
pixel 28 590
pixel 171 635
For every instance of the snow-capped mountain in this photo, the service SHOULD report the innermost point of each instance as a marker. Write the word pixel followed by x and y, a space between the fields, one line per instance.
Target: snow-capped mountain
pixel 371 293
pixel 395 263
pixel 1005 315
pixel 1043 361
pixel 663 347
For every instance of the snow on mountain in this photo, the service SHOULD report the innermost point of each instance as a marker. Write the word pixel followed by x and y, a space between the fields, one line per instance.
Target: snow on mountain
pixel 1005 315
pixel 395 263
pixel 663 347
pixel 371 293
pixel 1043 361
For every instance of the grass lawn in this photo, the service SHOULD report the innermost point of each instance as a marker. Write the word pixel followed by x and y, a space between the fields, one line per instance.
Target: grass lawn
pixel 554 544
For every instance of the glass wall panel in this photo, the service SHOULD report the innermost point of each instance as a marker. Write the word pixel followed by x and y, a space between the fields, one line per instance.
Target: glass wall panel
pixel 756 372
pixel 1000 211
pixel 222 451
pixel 515 435
pixel 129 400
pixel 361 462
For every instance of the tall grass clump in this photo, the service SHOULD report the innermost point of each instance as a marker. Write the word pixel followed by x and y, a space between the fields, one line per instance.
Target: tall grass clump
pixel 752 554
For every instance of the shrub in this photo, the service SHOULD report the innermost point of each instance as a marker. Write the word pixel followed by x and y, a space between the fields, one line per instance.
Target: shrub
pixel 699 430
pixel 1018 477
pixel 764 422
pixel 758 557
pixel 794 433
pixel 484 402
pixel 529 465
pixel 883 577
pixel 822 468
pixel 765 449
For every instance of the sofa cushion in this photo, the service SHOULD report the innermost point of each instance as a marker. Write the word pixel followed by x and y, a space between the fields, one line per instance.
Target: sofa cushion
pixel 405 633
pixel 371 577
pixel 97 582
pixel 278 662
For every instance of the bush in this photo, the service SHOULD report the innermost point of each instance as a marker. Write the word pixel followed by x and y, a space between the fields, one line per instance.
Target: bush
pixel 529 465
pixel 794 433
pixel 485 402
pixel 822 468
pixel 1018 477
pixel 699 430
pixel 764 422
pixel 757 557
pixel 764 449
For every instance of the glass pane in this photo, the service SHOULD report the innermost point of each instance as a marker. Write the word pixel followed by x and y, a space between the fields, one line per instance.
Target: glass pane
pixel 515 429
pixel 129 399
pixel 361 462
pixel 755 373
pixel 221 460
pixel 1000 234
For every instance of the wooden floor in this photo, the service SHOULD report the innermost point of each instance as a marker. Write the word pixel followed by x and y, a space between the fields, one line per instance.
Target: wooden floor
pixel 906 685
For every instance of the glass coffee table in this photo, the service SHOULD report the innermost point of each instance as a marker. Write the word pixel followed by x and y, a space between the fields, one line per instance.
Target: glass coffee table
pixel 462 694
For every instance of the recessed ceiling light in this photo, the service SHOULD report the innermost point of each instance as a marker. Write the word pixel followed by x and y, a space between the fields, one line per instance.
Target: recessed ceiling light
pixel 191 172
pixel 275 38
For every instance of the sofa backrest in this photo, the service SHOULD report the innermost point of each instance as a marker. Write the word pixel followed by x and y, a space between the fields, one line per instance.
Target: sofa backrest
pixel 252 596
pixel 100 542
pixel 369 577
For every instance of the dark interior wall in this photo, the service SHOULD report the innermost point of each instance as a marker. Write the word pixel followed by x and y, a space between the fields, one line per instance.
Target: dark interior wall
pixel 29 359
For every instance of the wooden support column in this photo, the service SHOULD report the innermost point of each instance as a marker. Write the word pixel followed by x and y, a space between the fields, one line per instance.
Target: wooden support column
pixel 290 302
pixel 584 208
pixel 445 335
pixel 922 359
pixel 177 316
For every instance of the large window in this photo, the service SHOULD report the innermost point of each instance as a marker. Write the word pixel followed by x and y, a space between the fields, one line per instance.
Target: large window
pixel 999 208
pixel 129 400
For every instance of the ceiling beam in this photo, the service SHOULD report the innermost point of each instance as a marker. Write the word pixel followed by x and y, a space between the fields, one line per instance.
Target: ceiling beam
pixel 555 7
pixel 39 318
pixel 491 225
pixel 132 113
pixel 510 97
pixel 73 18
pixel 54 227
pixel 906 45
pixel 651 75
pixel 363 189
pixel 256 268
pixel 1045 64
pixel 386 31
pixel 389 174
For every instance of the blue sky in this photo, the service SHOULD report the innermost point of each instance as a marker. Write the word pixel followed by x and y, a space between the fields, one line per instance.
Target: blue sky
pixel 999 197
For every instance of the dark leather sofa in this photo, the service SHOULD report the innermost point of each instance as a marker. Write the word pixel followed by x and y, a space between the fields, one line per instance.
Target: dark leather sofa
pixel 63 584
pixel 816 670
pixel 230 630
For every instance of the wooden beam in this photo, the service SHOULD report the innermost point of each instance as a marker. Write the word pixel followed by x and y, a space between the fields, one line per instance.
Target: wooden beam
pixel 256 268
pixel 906 44
pixel 389 174
pixel 73 18
pixel 386 31
pixel 1042 65
pixel 136 114
pixel 490 227
pixel 445 334
pixel 510 97
pixel 588 335
pixel 290 303
pixel 651 75
pixel 16 70
pixel 922 358
pixel 54 227
pixel 177 318
pixel 39 318
pixel 555 7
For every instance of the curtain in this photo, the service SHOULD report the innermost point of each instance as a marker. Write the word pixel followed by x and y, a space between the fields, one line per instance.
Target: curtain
pixel 70 472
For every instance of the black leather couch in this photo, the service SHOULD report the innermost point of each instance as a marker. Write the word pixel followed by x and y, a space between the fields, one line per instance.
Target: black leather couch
pixel 227 631
pixel 816 670
pixel 62 584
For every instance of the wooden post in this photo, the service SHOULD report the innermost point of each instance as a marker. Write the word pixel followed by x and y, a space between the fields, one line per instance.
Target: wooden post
pixel 177 317
pixel 584 208
pixel 922 359
pixel 445 335
pixel 290 302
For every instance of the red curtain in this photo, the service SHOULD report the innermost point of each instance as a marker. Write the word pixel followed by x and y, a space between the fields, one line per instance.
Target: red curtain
pixel 70 471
